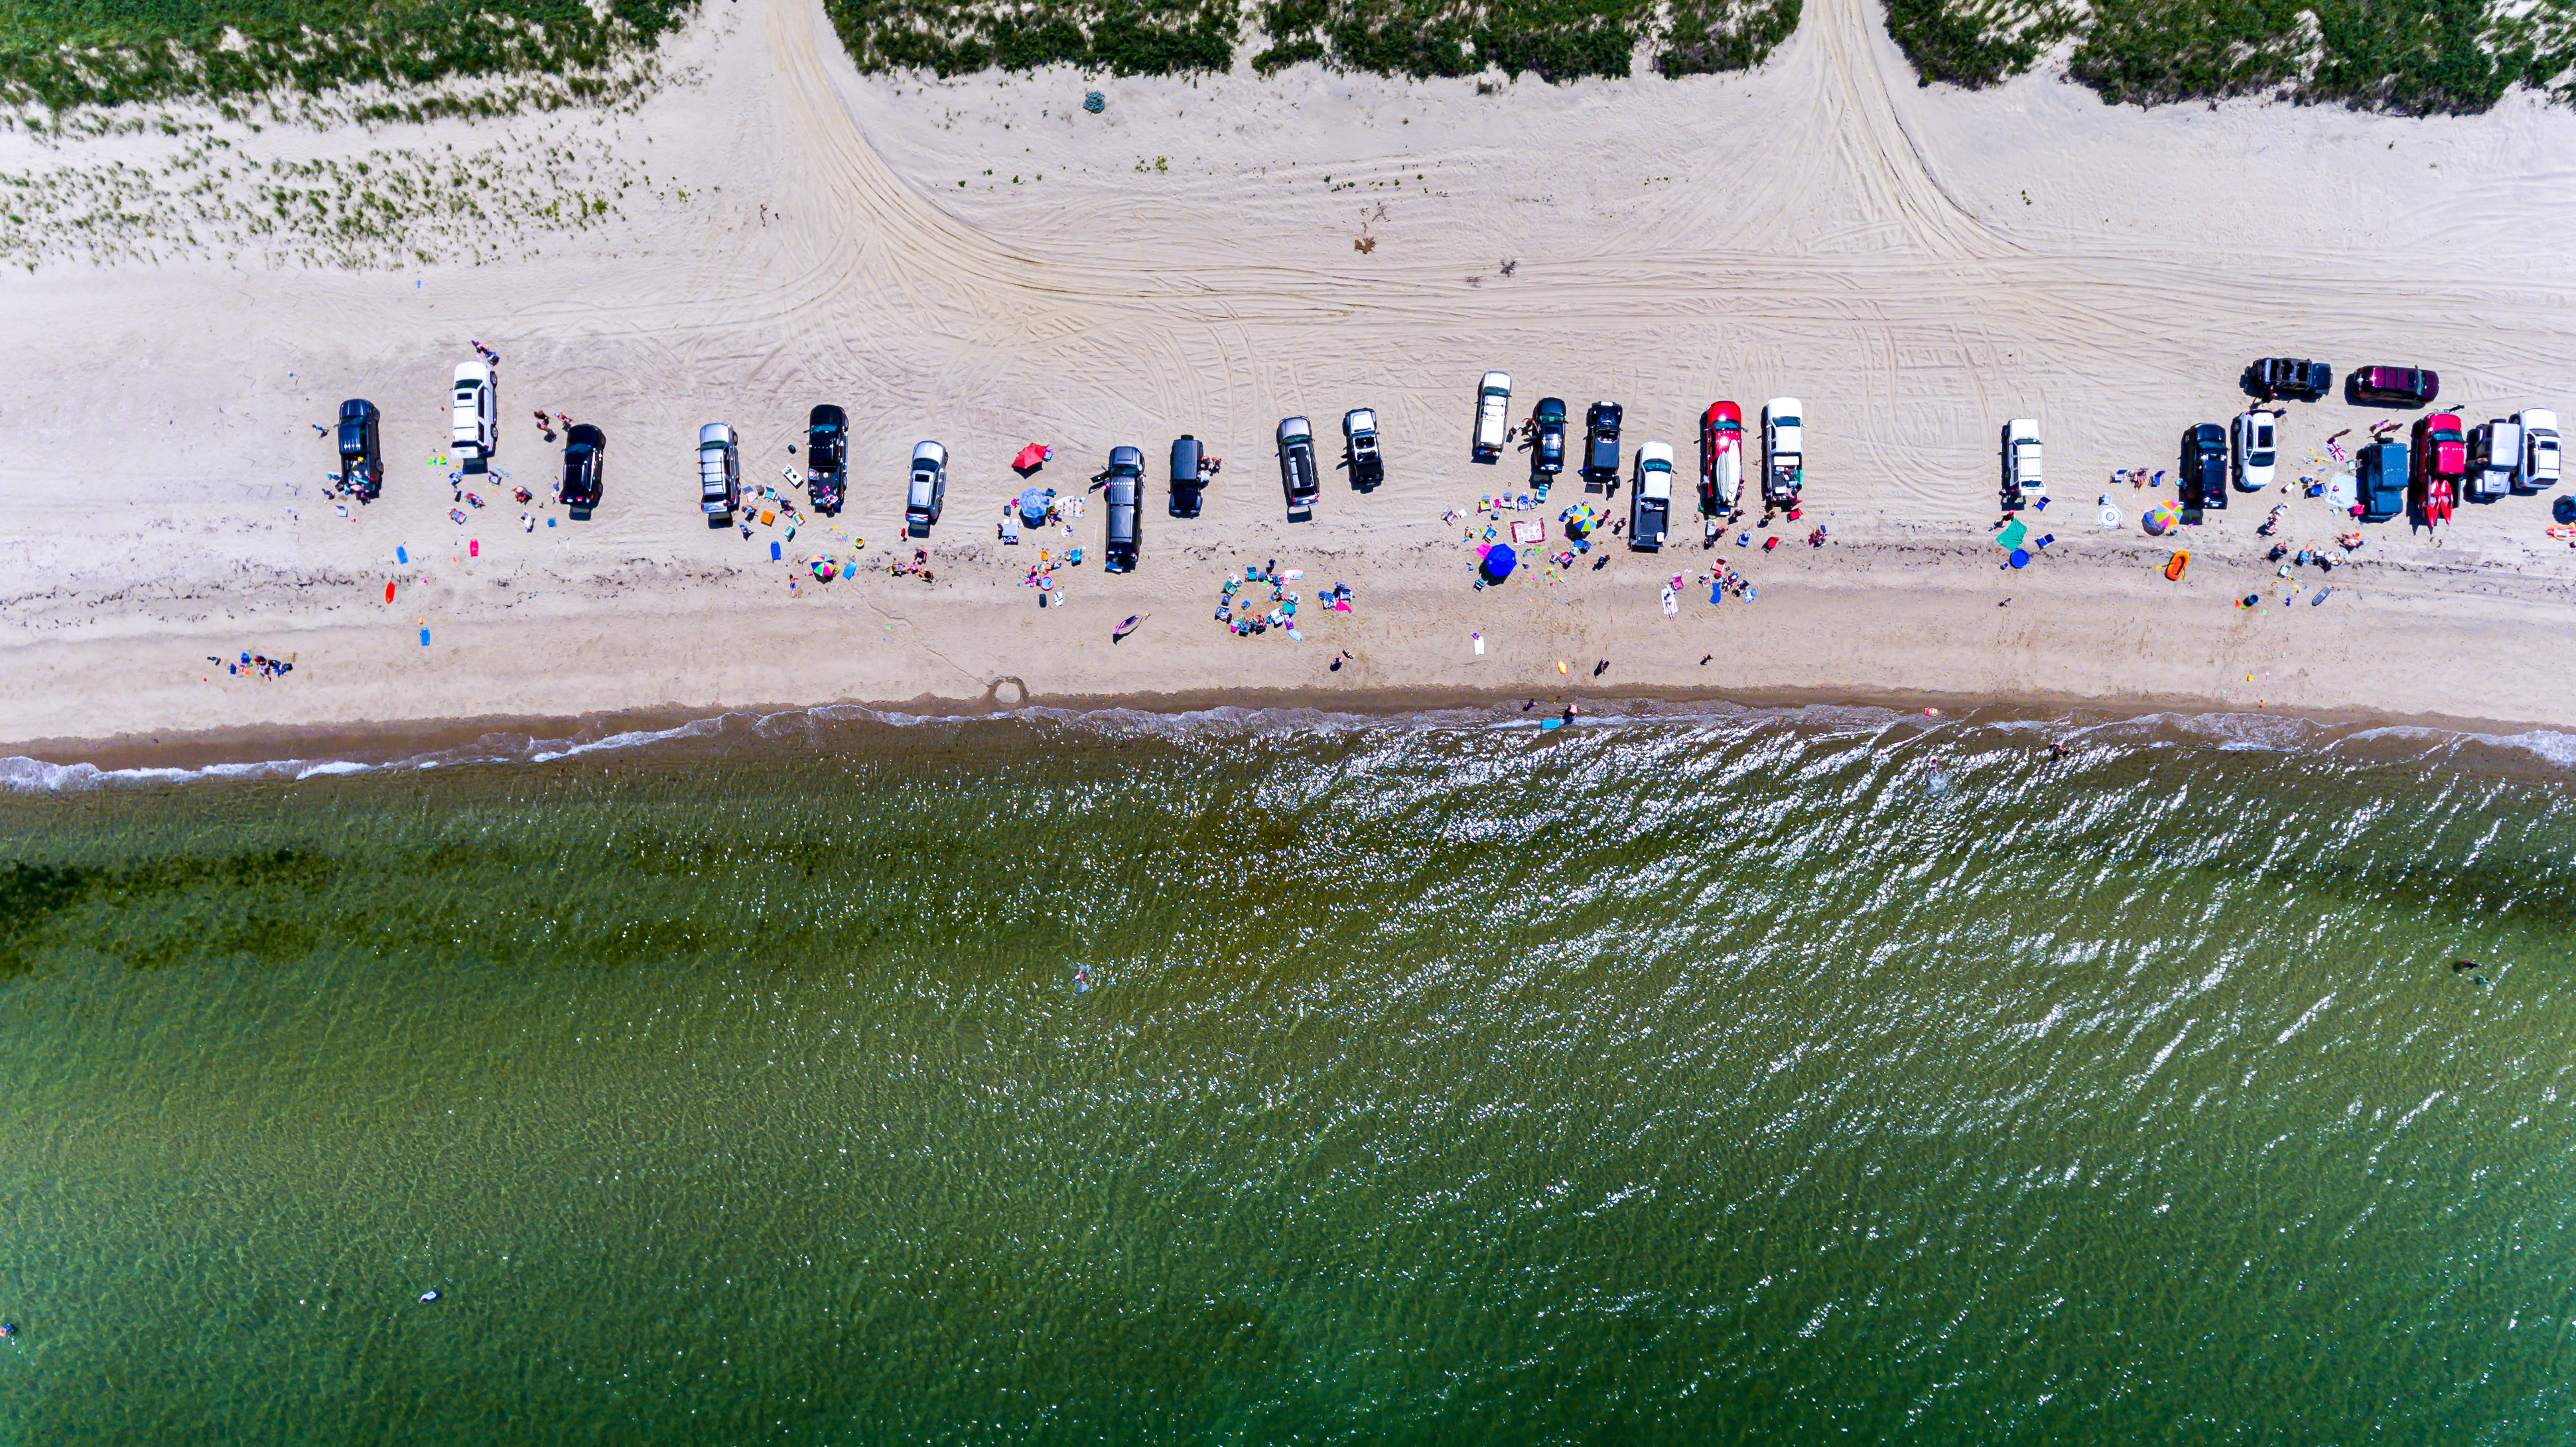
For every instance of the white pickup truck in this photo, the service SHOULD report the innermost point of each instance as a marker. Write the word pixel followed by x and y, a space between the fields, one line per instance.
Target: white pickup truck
pixel 1784 452
pixel 1493 415
pixel 2539 449
pixel 2022 480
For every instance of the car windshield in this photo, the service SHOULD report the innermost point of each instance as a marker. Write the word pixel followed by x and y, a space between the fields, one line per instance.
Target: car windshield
pixel 1785 422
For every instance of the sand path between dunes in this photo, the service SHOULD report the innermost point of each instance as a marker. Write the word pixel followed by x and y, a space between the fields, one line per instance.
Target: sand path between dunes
pixel 1916 265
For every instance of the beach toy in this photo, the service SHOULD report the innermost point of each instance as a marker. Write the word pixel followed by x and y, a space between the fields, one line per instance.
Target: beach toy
pixel 2174 569
pixel 389 592
pixel 2020 558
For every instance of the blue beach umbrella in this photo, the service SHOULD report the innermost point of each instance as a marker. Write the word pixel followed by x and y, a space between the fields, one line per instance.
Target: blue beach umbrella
pixel 1500 560
pixel 2020 558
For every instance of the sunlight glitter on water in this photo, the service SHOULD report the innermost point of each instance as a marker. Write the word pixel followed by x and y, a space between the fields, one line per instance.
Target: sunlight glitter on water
pixel 1728 1074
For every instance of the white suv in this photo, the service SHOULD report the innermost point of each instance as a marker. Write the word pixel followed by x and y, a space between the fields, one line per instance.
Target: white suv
pixel 475 422
pixel 2257 449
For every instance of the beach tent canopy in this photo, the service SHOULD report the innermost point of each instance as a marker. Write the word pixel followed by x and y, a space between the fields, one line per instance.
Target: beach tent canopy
pixel 1030 456
pixel 1500 560
pixel 1033 507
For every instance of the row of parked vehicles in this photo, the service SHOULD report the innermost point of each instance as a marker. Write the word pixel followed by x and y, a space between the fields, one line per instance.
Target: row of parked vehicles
pixel 2445 460
pixel 1721 454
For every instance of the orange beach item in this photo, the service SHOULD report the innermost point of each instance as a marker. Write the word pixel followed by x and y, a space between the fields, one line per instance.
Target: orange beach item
pixel 2174 569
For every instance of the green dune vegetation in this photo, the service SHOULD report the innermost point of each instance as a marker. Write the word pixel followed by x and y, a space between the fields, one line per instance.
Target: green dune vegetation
pixel 2411 57
pixel 1555 40
pixel 2407 56
pixel 63 54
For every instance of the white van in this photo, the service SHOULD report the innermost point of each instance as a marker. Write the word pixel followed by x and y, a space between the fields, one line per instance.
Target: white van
pixel 474 428
pixel 1493 415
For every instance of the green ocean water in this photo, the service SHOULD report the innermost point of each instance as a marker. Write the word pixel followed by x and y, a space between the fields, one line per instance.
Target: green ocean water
pixel 1730 1076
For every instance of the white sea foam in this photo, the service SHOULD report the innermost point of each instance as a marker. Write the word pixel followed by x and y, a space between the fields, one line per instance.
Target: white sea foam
pixel 2234 731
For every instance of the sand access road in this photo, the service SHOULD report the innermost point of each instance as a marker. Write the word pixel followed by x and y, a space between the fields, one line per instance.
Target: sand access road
pixel 983 262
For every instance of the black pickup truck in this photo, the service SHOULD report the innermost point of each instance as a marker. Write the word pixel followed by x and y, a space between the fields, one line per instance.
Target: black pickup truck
pixel 827 457
pixel 1359 443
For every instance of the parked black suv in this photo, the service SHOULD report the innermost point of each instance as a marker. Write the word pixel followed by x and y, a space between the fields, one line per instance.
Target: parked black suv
pixel 2204 466
pixel 584 449
pixel 1547 447
pixel 362 453
pixel 1189 489
pixel 1601 442
pixel 2289 377
pixel 1124 536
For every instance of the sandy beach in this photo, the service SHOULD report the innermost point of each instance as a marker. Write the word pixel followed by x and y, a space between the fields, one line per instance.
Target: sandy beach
pixel 983 262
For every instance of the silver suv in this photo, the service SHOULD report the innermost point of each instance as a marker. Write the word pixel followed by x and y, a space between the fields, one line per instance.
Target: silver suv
pixel 719 471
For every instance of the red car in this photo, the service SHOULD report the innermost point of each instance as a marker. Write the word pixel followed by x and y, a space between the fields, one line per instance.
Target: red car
pixel 2441 460
pixel 1721 458
pixel 2401 386
pixel 2441 446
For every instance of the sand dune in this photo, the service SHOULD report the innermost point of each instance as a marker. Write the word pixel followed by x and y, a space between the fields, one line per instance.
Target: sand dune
pixel 1916 264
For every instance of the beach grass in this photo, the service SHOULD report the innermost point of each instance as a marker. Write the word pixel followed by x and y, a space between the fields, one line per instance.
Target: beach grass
pixel 957 37
pixel 389 207
pixel 2422 57
pixel 1554 40
pixel 62 54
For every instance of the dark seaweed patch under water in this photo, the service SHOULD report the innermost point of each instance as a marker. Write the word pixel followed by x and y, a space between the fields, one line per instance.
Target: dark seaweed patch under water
pixel 1747 1076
